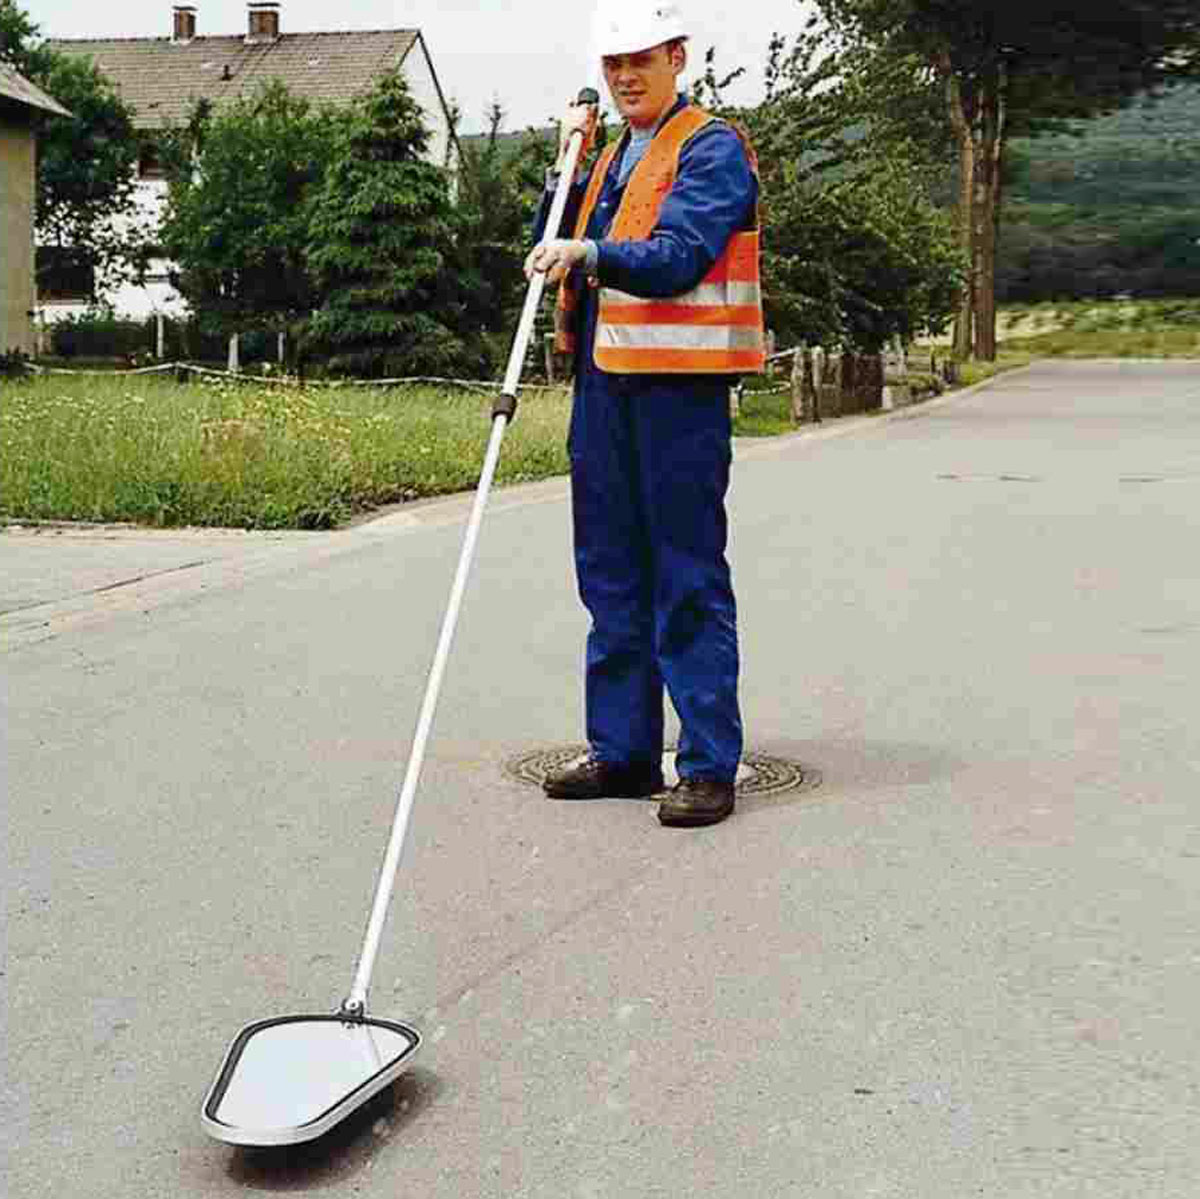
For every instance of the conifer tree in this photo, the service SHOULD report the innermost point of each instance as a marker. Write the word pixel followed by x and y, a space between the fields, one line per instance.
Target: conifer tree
pixel 381 246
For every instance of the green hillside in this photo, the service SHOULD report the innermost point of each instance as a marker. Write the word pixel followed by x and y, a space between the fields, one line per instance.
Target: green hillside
pixel 1111 208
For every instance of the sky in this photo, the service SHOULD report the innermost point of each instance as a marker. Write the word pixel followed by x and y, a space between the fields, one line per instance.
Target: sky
pixel 532 55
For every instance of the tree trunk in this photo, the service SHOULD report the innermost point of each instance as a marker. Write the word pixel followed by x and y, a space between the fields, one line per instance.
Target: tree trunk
pixel 992 112
pixel 963 122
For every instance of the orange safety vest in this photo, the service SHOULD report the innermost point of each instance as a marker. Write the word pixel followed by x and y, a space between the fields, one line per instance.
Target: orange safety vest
pixel 717 327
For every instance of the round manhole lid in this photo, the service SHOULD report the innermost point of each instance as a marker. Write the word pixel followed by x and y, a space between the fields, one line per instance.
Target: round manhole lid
pixel 758 773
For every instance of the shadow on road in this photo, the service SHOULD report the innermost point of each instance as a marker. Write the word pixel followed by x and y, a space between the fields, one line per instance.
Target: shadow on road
pixel 345 1150
pixel 855 765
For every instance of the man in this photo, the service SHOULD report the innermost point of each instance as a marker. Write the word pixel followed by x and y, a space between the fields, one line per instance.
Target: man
pixel 661 305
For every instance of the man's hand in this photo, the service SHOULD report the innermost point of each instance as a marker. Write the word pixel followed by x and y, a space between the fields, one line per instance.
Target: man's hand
pixel 581 118
pixel 554 259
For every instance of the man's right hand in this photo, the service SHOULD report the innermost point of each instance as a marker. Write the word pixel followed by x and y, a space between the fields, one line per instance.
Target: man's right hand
pixel 581 118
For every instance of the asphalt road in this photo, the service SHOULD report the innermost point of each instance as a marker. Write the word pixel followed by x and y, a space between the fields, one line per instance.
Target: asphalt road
pixel 968 964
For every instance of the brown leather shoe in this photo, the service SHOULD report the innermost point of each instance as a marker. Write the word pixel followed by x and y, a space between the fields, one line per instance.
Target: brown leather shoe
pixel 605 780
pixel 695 802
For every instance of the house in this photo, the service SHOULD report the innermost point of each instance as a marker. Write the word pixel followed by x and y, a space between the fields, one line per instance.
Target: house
pixel 163 78
pixel 20 104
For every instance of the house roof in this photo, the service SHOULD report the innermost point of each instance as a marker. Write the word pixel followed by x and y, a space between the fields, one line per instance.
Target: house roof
pixel 162 79
pixel 14 86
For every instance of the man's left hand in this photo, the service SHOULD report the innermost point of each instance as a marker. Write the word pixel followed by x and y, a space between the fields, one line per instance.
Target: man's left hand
pixel 555 259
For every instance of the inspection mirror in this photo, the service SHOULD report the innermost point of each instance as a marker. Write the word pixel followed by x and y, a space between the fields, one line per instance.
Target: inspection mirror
pixel 291 1078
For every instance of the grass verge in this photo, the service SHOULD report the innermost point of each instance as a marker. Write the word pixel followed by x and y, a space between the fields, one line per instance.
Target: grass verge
pixel 159 453
pixel 764 411
pixel 1105 329
pixel 151 451
pixel 1110 343
pixel 1008 358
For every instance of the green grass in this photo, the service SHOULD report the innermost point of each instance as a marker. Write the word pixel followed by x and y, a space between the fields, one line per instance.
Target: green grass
pixel 151 451
pixel 1107 329
pixel 1164 343
pixel 159 453
pixel 1008 358
pixel 764 413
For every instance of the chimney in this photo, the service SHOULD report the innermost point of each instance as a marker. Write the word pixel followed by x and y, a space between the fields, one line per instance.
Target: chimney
pixel 185 24
pixel 264 21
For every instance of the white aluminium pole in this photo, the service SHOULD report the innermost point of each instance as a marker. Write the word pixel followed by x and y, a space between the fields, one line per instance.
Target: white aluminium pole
pixel 502 412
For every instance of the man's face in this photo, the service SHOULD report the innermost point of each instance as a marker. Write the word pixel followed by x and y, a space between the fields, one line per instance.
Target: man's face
pixel 643 84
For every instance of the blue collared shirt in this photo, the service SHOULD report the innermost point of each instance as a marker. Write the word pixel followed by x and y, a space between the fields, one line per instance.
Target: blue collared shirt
pixel 714 196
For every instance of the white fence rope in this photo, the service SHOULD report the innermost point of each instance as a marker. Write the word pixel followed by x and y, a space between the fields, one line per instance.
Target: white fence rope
pixel 141 370
pixel 286 380
pixel 483 385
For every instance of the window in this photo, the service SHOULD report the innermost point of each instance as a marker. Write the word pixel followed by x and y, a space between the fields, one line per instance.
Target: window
pixel 155 266
pixel 150 164
pixel 64 276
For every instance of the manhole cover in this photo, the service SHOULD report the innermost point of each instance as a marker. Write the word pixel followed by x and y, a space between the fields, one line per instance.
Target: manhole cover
pixel 758 774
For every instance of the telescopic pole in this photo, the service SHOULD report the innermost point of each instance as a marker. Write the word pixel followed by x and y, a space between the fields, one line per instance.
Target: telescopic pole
pixel 502 413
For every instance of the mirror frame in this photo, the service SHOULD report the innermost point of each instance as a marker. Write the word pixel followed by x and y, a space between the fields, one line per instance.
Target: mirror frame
pixel 309 1131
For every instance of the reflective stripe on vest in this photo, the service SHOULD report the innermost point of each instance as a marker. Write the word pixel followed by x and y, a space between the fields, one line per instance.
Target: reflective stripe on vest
pixel 716 328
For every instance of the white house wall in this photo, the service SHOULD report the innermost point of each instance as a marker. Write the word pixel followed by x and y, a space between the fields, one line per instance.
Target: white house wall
pixel 129 301
pixel 422 82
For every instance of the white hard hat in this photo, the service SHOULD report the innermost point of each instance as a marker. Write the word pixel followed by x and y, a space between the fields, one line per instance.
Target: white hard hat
pixel 624 27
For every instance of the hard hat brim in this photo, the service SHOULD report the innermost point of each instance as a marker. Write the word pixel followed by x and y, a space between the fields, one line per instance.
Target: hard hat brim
pixel 624 47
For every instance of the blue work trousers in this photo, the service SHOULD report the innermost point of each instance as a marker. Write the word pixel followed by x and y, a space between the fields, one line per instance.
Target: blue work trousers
pixel 650 458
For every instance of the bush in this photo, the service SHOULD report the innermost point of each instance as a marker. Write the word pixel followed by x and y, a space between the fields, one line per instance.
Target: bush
pixel 187 341
pixel 100 335
pixel 102 338
pixel 14 364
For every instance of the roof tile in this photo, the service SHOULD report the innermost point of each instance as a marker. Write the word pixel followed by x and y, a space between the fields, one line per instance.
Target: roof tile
pixel 161 79
pixel 14 86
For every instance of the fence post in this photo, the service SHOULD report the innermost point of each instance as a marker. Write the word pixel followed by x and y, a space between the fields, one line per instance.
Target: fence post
pixel 833 372
pixel 160 342
pixel 820 360
pixel 871 381
pixel 234 363
pixel 896 391
pixel 839 375
pixel 806 404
